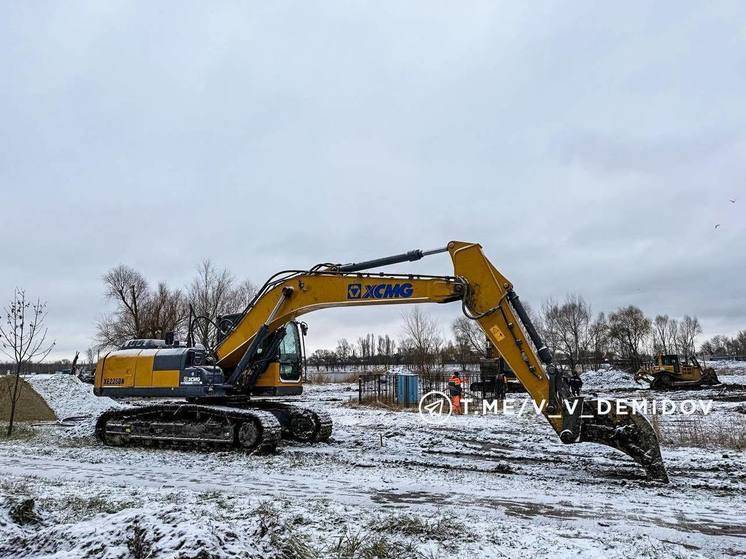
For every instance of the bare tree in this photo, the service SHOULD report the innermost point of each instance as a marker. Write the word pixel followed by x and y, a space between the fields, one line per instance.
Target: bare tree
pixel 723 345
pixel 628 331
pixel 737 344
pixel 140 312
pixel 210 295
pixel 689 328
pixel 128 289
pixel 243 294
pixel 598 339
pixel 90 357
pixel 422 337
pixel 166 311
pixel 470 336
pixel 23 338
pixel 385 349
pixel 660 328
pixel 323 357
pixel 344 351
pixel 366 347
pixel 568 325
pixel 547 325
pixel 214 293
pixel 665 333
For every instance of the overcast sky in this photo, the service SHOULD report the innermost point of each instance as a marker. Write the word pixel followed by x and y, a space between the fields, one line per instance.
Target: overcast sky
pixel 589 147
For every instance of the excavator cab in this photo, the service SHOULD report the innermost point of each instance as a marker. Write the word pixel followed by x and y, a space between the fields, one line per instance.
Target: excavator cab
pixel 284 374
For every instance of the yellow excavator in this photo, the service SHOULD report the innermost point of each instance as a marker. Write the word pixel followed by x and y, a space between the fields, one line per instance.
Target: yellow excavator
pixel 259 354
pixel 672 372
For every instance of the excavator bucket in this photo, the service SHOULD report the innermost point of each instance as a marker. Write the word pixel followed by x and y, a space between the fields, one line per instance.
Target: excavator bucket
pixel 630 433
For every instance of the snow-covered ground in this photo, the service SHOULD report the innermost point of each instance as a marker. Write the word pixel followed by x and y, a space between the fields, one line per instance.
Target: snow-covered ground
pixel 727 365
pixel 386 485
pixel 608 379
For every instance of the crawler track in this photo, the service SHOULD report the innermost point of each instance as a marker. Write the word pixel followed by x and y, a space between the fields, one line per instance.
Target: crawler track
pixel 187 424
pixel 298 423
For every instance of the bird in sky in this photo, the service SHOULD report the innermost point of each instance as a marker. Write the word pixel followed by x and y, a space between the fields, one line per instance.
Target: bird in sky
pixel 717 225
pixel 732 201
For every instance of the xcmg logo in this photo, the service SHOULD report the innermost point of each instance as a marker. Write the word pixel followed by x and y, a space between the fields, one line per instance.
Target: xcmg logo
pixel 380 291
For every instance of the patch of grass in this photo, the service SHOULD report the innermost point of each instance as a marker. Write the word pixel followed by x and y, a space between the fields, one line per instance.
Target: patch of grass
pixel 649 549
pixel 293 545
pixel 18 488
pixel 20 433
pixel 696 432
pixel 84 441
pixel 442 529
pixel 138 543
pixel 282 536
pixel 370 545
pixel 22 512
pixel 84 506
pixel 268 517
pixel 219 498
pixel 201 554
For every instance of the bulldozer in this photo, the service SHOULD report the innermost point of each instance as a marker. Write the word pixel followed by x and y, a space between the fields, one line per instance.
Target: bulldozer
pixel 672 372
pixel 239 393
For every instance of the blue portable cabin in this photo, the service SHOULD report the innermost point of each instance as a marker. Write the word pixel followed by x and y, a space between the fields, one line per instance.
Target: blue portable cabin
pixel 407 389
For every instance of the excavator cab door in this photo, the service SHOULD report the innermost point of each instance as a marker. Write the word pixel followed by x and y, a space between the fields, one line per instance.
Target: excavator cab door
pixel 291 354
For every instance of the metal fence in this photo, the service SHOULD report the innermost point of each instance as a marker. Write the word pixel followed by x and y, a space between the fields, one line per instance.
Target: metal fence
pixel 732 357
pixel 397 390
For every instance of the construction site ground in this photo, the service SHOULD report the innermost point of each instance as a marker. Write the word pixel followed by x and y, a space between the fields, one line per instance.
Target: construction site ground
pixel 386 485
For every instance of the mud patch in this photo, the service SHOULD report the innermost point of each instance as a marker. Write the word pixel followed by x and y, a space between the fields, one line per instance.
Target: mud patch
pixel 410 498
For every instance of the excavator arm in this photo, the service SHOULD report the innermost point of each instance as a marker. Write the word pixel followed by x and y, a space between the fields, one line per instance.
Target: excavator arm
pixel 486 297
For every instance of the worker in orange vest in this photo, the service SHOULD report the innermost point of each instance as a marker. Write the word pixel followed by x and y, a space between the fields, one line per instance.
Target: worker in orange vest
pixel 454 390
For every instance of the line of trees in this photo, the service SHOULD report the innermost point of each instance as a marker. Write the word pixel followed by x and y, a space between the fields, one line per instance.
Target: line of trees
pixel 579 339
pixel 421 346
pixel 723 345
pixel 577 336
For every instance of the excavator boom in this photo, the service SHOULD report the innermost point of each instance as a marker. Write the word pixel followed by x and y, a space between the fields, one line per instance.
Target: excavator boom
pixel 486 297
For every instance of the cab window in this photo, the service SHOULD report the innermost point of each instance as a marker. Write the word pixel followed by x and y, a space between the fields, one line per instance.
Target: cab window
pixel 291 365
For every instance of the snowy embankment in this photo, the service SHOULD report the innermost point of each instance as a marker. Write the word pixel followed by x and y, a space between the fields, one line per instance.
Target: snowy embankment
pixel 69 397
pixel 606 379
pixel 728 368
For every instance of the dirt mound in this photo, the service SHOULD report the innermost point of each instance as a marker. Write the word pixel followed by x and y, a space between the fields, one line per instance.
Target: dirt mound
pixel 30 407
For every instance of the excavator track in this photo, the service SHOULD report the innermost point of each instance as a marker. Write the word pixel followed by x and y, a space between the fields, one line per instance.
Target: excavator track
pixel 298 423
pixel 186 424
